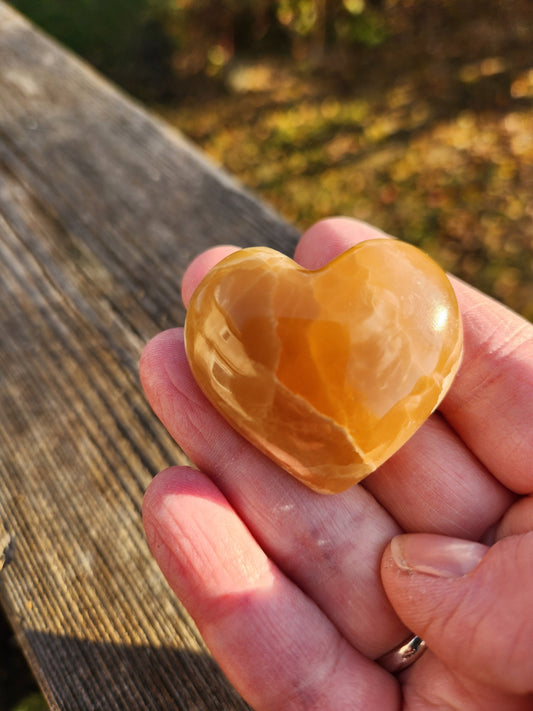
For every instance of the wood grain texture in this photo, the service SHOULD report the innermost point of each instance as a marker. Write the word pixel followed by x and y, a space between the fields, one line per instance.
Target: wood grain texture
pixel 101 208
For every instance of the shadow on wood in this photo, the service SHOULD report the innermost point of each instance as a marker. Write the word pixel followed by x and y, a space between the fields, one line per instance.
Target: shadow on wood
pixel 100 666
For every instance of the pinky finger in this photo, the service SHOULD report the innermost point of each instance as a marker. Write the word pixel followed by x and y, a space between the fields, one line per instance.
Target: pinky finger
pixel 275 645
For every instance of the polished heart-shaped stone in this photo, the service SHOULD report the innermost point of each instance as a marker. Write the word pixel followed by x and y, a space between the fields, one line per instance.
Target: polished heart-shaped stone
pixel 328 372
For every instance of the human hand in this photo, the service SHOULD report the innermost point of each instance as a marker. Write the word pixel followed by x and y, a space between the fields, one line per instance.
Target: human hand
pixel 296 593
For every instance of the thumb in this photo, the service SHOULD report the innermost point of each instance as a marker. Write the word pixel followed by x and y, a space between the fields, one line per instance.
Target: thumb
pixel 473 605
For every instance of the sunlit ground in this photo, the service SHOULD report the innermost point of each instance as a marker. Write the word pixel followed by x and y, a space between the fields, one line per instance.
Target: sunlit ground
pixel 436 150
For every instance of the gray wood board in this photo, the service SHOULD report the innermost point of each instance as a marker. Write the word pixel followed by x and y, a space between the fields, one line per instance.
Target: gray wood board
pixel 101 208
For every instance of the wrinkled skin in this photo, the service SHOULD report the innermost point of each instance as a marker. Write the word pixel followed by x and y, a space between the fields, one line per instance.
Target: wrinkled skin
pixel 297 593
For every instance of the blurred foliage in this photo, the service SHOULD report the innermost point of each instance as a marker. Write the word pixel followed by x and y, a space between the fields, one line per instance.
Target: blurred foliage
pixel 145 44
pixel 130 40
pixel 428 135
pixel 416 116
pixel 32 702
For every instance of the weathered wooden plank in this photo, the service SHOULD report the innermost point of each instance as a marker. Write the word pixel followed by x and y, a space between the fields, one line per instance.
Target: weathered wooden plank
pixel 101 208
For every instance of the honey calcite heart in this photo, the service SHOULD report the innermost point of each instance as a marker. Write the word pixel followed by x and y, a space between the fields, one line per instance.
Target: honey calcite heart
pixel 328 372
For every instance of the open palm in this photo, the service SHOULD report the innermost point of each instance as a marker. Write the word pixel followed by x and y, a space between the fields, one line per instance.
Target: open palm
pixel 296 593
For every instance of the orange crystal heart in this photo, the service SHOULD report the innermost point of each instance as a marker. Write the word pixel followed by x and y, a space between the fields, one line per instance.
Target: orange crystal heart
pixel 328 372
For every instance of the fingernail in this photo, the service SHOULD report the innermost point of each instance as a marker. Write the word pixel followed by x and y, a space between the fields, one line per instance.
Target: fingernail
pixel 440 556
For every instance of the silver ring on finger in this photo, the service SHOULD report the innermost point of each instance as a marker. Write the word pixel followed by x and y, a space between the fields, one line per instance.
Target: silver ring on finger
pixel 402 656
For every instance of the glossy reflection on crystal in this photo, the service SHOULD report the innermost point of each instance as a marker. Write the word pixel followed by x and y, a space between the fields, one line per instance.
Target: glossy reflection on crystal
pixel 328 372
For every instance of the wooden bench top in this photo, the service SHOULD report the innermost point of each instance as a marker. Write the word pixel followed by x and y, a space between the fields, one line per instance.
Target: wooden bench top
pixel 101 208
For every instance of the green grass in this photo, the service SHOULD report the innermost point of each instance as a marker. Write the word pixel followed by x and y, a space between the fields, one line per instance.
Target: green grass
pixel 31 702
